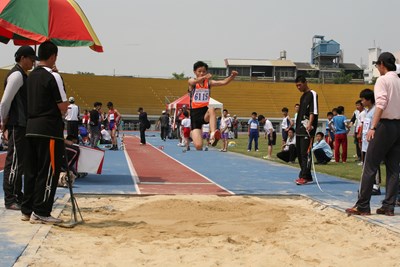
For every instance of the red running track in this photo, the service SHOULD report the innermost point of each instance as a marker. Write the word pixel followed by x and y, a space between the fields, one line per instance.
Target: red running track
pixel 2 160
pixel 160 174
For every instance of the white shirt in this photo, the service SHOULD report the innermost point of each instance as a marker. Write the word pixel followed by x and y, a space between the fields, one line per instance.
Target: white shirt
pixel 367 120
pixel 268 127
pixel 290 141
pixel 106 135
pixel 225 124
pixel 72 113
pixel 14 83
pixel 205 128
pixel 186 123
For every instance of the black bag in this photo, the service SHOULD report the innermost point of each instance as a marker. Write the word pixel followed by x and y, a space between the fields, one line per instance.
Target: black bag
pixel 147 124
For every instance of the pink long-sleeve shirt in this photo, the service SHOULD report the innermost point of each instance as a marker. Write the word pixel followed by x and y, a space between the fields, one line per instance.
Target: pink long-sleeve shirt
pixel 387 95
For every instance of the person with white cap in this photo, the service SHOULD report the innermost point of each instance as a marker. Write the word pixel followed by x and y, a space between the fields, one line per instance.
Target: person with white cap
pixel 72 118
pixel 14 115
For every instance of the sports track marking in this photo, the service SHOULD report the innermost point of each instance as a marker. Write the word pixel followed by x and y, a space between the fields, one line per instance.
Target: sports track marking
pixel 156 172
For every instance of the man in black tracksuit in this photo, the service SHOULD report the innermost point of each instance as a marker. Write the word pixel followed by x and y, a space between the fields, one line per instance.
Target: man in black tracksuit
pixel 47 102
pixel 13 109
pixel 306 126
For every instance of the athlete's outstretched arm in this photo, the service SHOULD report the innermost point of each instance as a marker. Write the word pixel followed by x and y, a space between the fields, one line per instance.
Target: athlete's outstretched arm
pixel 226 81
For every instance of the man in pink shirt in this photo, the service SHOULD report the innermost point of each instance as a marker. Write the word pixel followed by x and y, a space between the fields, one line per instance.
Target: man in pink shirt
pixel 384 140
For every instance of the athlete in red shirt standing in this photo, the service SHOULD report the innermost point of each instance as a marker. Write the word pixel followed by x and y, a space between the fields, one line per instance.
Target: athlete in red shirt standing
pixel 113 119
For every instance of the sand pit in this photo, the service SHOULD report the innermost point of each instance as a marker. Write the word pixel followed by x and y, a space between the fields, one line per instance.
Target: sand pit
pixel 215 231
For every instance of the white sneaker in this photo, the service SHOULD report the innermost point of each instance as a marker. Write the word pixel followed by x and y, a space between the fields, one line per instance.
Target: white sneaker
pixel 43 219
pixel 248 150
pixel 25 217
pixel 266 157
pixel 360 164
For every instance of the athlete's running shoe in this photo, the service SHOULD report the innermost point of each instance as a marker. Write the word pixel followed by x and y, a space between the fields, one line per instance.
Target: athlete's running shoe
pixel 214 137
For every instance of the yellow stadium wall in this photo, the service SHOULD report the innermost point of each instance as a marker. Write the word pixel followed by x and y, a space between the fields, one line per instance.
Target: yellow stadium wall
pixel 241 98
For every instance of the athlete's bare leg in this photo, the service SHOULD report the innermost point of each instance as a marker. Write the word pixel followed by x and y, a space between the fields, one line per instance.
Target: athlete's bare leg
pixel 211 118
pixel 113 137
pixel 197 140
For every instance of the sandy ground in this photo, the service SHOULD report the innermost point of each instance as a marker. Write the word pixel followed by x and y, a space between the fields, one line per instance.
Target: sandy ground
pixel 215 231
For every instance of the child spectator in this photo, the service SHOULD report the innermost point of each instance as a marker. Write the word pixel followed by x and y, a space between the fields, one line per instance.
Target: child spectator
pixel 253 131
pixel 368 100
pixel 270 133
pixel 224 129
pixel 105 136
pixel 85 118
pixel 185 125
pixel 334 112
pixel 355 120
pixel 329 130
pixel 286 124
pixel 339 122
pixel 206 134
pixel 289 153
pixel 322 151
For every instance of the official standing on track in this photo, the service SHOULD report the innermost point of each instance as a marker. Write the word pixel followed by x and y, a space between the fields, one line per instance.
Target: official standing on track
pixel 14 114
pixel 384 140
pixel 47 102
pixel 306 126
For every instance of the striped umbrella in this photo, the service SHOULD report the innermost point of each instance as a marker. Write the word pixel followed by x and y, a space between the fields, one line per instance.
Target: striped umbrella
pixel 31 22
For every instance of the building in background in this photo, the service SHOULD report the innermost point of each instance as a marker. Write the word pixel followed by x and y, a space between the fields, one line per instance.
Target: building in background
pixel 326 66
pixel 371 72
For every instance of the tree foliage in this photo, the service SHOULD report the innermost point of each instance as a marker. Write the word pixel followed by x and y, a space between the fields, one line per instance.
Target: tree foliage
pixel 342 78
pixel 179 76
pixel 85 73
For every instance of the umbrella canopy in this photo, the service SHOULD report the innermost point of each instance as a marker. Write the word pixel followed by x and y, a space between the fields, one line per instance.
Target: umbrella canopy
pixel 36 21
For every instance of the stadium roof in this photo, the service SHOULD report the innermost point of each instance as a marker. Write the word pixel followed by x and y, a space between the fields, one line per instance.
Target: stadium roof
pixel 349 66
pixel 258 62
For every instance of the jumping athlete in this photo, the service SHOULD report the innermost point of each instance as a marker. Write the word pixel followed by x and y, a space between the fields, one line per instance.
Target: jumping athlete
pixel 199 89
pixel 113 119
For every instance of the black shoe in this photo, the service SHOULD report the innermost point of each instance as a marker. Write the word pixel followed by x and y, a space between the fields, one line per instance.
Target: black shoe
pixel 13 206
pixel 376 192
pixel 385 211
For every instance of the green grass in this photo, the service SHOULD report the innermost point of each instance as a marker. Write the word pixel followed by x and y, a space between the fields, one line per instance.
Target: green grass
pixel 349 170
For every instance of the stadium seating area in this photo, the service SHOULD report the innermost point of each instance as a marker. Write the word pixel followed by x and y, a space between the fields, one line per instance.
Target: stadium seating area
pixel 239 97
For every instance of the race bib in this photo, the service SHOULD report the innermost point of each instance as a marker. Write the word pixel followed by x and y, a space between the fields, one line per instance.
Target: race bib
pixel 112 117
pixel 201 96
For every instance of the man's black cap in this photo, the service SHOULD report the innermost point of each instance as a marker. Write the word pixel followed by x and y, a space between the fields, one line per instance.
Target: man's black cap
pixel 26 51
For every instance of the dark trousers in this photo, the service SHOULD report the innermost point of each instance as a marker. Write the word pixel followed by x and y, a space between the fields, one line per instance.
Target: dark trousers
pixel 13 168
pixel 253 136
pixel 384 147
pixel 72 128
pixel 302 145
pixel 235 132
pixel 164 132
pixel 320 156
pixel 142 130
pixel 288 155
pixel 94 135
pixel 41 174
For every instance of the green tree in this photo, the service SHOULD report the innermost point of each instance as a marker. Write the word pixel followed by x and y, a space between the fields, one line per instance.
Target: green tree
pixel 342 78
pixel 84 73
pixel 179 76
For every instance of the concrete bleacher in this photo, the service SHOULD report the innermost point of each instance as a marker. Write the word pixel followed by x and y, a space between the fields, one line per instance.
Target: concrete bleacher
pixel 239 97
